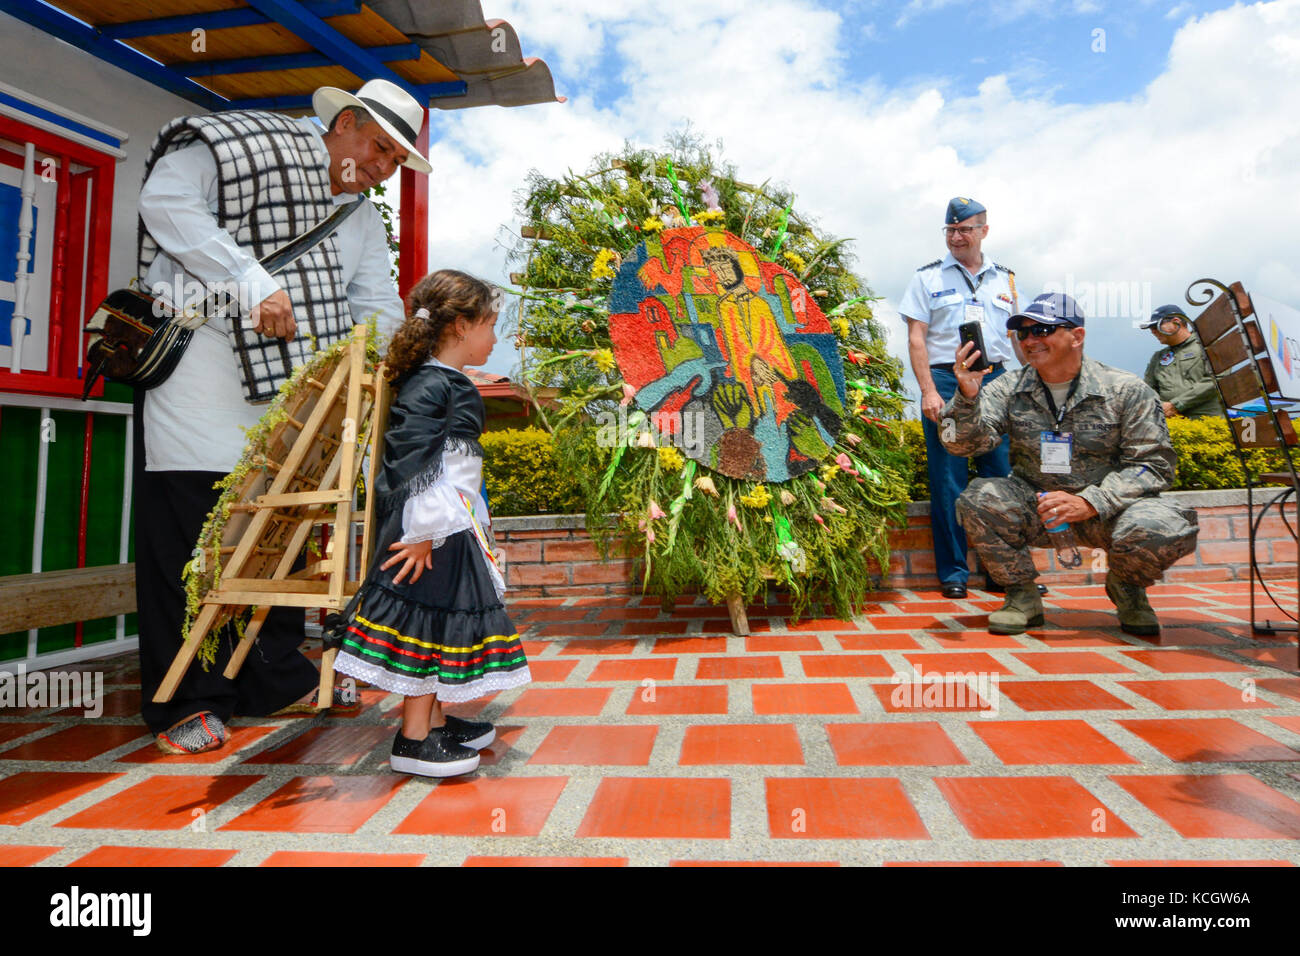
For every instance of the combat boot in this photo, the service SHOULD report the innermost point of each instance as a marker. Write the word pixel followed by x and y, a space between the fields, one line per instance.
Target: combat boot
pixel 1023 608
pixel 1135 613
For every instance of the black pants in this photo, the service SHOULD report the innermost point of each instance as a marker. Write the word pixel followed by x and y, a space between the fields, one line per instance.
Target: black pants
pixel 170 509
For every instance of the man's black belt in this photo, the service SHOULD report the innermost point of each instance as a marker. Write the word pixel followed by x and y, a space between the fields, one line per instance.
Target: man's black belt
pixel 947 367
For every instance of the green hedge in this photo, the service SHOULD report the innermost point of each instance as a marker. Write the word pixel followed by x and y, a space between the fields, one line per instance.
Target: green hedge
pixel 1207 459
pixel 523 478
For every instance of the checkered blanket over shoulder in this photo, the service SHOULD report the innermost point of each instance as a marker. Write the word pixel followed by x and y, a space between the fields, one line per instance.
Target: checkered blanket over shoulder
pixel 274 186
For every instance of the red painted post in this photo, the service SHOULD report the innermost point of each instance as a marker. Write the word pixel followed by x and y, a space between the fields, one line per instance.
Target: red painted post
pixel 73 355
pixel 413 220
pixel 58 268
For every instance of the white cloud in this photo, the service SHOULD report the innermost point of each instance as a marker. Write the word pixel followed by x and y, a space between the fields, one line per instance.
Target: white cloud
pixel 1194 176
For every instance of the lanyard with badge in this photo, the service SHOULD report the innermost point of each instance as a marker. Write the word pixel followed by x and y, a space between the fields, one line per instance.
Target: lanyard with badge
pixel 1055 447
pixel 974 310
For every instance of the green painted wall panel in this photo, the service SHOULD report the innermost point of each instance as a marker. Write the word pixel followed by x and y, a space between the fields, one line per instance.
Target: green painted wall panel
pixel 20 434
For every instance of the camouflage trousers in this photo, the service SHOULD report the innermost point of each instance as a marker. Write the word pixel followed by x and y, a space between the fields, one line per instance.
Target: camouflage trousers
pixel 1000 516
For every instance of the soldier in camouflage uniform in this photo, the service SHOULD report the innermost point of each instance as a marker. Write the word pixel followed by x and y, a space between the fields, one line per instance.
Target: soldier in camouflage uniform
pixel 1089 446
pixel 1179 373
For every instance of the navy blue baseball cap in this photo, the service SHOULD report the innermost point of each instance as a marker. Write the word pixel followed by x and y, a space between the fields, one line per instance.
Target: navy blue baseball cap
pixel 1050 308
pixel 1162 313
pixel 960 208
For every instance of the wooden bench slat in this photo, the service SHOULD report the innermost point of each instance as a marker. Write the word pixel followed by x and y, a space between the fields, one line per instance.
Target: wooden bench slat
pixel 51 598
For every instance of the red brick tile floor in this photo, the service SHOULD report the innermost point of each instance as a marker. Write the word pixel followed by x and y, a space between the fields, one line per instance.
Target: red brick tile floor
pixel 907 735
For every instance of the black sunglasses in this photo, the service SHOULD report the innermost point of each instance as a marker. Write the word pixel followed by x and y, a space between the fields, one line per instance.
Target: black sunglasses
pixel 1037 330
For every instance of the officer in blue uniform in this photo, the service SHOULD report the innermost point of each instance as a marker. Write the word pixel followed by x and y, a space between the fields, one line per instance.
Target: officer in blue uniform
pixel 963 286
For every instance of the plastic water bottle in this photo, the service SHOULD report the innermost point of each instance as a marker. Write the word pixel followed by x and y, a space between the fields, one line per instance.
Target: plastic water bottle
pixel 1062 538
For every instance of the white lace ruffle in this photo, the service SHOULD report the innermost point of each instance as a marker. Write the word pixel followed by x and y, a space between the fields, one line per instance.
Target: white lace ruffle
pixel 438 512
pixel 420 687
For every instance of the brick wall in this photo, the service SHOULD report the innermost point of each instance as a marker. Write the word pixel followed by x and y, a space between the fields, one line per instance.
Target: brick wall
pixel 552 555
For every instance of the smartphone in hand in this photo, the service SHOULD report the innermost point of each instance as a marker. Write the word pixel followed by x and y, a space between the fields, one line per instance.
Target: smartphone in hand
pixel 971 332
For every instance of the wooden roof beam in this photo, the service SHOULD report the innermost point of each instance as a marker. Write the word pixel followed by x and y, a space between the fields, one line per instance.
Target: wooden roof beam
pixel 68 28
pixel 291 61
pixel 425 93
pixel 218 20
pixel 297 18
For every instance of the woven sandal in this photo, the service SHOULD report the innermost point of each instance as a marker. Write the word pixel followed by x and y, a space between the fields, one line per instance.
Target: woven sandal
pixel 199 734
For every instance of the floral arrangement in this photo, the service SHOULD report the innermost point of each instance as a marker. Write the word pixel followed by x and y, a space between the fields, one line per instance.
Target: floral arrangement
pixel 819 529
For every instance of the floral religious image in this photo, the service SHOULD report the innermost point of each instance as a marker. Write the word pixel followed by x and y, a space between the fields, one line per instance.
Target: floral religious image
pixel 728 353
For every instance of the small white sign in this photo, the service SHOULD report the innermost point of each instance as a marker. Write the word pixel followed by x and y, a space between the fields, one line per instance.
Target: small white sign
pixel 1281 327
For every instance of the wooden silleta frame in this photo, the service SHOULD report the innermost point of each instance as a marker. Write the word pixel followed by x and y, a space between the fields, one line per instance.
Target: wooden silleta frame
pixel 310 465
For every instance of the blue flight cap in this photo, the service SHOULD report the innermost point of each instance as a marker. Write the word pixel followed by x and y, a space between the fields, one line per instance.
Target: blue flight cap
pixel 1050 308
pixel 960 208
pixel 1162 313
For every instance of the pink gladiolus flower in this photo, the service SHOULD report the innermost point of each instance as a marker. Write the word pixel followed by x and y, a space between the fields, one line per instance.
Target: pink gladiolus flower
pixel 656 511
pixel 709 193
pixel 843 461
pixel 731 516
pixel 629 393
pixel 818 519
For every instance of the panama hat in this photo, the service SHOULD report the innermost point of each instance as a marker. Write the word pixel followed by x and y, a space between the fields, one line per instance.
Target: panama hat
pixel 399 113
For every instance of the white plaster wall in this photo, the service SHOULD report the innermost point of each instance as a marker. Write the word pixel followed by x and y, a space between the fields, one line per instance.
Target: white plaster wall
pixel 59 72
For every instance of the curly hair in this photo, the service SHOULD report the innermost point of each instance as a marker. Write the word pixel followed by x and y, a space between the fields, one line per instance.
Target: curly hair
pixel 445 295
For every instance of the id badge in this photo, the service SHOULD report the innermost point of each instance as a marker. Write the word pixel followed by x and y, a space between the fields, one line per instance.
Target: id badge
pixel 1054 453
pixel 974 312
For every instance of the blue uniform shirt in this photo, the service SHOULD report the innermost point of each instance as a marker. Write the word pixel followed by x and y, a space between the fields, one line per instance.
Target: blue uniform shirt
pixel 938 294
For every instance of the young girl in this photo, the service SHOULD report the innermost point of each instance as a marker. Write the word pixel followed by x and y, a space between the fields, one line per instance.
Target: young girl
pixel 428 622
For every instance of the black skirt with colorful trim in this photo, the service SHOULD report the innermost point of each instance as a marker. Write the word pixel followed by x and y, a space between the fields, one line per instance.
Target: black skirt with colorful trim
pixel 445 634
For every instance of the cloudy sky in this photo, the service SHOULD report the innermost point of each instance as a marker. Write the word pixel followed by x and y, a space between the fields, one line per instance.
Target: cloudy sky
pixel 1123 149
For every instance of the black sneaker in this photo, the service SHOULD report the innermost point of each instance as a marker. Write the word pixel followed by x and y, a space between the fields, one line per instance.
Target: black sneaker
pixel 470 733
pixel 437 755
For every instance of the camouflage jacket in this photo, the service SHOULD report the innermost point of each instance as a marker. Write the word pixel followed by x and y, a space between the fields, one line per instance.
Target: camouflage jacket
pixel 1184 379
pixel 1121 448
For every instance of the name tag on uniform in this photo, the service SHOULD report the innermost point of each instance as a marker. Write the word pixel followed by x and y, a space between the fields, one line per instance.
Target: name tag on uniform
pixel 1054 453
pixel 974 312
pixel 942 293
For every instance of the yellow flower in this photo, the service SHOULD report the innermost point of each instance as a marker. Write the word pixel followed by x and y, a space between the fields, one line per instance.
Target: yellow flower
pixel 670 459
pixel 709 215
pixel 652 224
pixel 829 472
pixel 757 498
pixel 706 485
pixel 841 327
pixel 602 268
pixel 795 260
pixel 604 359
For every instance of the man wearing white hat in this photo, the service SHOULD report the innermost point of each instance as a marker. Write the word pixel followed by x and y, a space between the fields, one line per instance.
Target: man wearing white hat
pixel 221 192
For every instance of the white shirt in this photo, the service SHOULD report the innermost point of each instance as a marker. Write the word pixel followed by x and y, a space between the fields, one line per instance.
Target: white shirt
pixel 195 420
pixel 938 295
